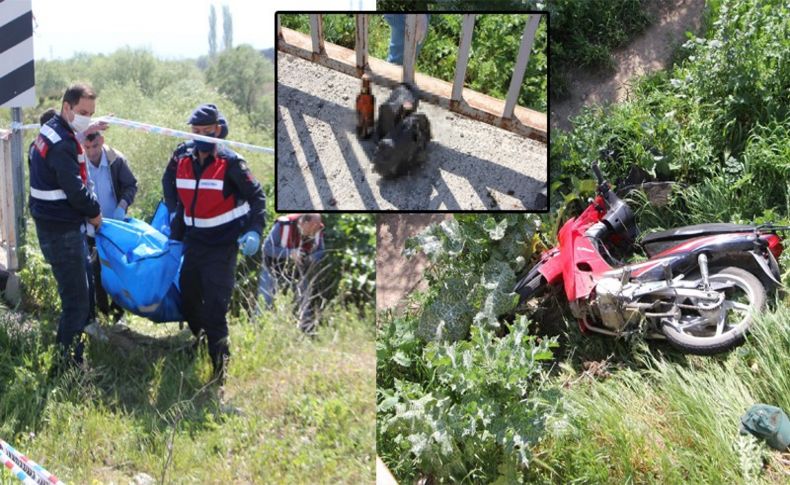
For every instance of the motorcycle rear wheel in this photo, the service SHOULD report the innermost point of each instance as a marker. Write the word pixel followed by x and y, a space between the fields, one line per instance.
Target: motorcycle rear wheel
pixel 745 296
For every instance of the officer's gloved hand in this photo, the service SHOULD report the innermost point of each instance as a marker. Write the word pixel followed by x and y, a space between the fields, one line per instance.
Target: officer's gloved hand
pixel 119 213
pixel 249 243
pixel 296 256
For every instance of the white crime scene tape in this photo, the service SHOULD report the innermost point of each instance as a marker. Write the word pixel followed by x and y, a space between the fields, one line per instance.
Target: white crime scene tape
pixel 148 128
pixel 15 125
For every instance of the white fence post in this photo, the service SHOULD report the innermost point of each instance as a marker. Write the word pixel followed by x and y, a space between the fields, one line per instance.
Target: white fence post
pixel 521 65
pixel 463 56
pixel 317 33
pixel 409 48
pixel 361 46
pixel 279 29
pixel 8 228
pixel 4 189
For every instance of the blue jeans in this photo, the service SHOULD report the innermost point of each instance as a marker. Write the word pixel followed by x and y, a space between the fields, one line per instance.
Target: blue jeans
pixel 397 24
pixel 66 251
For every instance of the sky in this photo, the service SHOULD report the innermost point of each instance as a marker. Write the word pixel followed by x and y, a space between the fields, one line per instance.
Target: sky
pixel 171 29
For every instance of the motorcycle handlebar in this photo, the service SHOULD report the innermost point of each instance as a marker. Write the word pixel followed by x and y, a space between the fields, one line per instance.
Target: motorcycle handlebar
pixel 597 171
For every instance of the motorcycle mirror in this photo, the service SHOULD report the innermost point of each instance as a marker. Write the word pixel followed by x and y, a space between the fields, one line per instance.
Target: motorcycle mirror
pixel 606 154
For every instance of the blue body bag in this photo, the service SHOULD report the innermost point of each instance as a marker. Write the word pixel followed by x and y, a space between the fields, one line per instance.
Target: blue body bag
pixel 140 268
pixel 161 219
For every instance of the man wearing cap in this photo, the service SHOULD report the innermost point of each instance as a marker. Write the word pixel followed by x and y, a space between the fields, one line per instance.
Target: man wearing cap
pixel 291 250
pixel 220 206
pixel 61 203
pixel 169 190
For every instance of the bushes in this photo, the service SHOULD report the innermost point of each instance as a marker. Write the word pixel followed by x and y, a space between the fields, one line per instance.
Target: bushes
pixel 350 241
pixel 470 412
pixel 718 122
pixel 456 401
pixel 583 34
pixel 698 120
pixel 495 46
pixel 246 85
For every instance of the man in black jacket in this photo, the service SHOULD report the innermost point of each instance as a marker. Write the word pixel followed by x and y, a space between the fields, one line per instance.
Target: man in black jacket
pixel 220 207
pixel 115 188
pixel 61 203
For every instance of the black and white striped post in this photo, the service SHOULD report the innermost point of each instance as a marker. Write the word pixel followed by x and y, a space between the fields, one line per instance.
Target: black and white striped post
pixel 17 79
pixel 17 90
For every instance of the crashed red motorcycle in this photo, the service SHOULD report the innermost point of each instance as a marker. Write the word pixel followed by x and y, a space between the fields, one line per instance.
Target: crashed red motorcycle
pixel 699 287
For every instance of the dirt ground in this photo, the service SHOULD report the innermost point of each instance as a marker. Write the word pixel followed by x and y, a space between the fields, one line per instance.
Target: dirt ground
pixel 322 165
pixel 396 275
pixel 650 52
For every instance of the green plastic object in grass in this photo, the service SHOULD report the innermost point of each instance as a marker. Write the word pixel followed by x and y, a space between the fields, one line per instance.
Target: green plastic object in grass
pixel 769 423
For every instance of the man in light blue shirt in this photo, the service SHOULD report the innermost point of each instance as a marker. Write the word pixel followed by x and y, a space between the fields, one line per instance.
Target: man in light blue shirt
pixel 112 180
pixel 101 182
pixel 115 187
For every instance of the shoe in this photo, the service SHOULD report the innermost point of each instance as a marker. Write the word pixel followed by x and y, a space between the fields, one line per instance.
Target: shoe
pixel 308 327
pixel 95 331
pixel 225 407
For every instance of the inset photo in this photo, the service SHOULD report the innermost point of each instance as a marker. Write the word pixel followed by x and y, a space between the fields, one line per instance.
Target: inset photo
pixel 411 111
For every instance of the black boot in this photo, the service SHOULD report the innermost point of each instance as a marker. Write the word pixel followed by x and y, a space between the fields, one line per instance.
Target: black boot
pixel 220 357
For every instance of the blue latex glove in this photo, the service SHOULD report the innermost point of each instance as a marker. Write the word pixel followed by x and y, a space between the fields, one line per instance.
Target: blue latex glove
pixel 249 243
pixel 119 213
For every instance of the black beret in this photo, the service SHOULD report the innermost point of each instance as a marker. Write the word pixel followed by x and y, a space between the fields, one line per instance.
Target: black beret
pixel 205 114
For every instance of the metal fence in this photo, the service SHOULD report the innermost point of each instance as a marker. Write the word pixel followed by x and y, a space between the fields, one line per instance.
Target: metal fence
pixel 507 114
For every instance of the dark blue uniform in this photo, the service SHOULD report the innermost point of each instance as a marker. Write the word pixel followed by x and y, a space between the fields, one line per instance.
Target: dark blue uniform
pixel 216 203
pixel 60 201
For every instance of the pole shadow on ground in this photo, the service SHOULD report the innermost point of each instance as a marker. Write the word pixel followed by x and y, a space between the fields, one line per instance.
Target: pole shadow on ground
pixel 426 188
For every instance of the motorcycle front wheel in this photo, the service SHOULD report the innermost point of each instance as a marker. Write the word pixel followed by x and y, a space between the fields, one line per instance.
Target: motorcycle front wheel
pixel 697 333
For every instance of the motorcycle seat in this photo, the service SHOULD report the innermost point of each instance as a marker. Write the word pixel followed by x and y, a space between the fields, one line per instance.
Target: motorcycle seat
pixel 655 242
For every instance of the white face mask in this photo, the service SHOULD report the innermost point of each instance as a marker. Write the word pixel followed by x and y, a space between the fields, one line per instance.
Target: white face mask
pixel 80 123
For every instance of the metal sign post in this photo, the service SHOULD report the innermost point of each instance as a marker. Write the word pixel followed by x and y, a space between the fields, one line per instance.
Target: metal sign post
pixel 18 174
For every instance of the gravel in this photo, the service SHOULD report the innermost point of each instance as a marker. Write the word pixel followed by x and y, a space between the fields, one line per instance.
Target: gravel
pixel 321 165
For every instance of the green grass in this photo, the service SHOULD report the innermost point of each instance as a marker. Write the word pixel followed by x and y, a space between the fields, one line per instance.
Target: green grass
pixel 308 404
pixel 668 418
